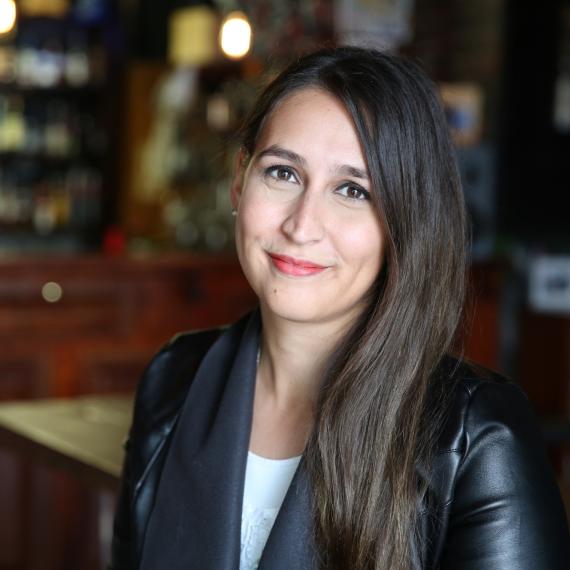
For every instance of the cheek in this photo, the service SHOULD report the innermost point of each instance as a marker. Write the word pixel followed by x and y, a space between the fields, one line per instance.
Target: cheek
pixel 363 248
pixel 257 218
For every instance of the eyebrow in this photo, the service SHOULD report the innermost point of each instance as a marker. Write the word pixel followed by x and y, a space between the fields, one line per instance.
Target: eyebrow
pixel 347 170
pixel 280 152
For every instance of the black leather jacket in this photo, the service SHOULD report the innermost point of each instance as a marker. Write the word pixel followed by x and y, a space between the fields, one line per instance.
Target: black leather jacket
pixel 492 503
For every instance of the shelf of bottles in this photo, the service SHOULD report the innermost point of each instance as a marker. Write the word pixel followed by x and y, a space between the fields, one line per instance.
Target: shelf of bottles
pixel 53 136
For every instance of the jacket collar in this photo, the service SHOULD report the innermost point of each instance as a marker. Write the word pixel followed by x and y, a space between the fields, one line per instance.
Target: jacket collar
pixel 196 519
pixel 290 545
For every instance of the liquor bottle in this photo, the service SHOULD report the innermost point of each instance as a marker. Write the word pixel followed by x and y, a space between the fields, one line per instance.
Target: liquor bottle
pixel 77 65
pixel 12 124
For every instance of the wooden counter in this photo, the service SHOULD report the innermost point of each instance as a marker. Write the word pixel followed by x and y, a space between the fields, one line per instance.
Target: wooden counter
pixel 81 435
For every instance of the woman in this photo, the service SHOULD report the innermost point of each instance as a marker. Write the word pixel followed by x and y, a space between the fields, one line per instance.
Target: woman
pixel 330 428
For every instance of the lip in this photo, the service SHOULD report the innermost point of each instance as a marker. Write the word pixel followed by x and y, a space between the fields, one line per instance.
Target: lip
pixel 296 267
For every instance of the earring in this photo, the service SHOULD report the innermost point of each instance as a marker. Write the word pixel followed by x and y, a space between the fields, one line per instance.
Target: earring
pixel 234 212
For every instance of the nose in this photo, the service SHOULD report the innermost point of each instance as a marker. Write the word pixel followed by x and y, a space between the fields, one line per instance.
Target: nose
pixel 304 222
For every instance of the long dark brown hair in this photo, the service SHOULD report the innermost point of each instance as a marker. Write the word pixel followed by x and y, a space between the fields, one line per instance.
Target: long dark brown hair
pixel 381 405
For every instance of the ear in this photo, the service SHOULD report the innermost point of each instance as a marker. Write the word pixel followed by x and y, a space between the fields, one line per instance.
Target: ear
pixel 236 188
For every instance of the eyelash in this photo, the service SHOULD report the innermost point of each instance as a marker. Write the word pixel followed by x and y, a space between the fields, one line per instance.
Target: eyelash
pixel 364 193
pixel 271 171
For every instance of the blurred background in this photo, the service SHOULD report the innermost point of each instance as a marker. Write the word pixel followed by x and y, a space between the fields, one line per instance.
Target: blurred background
pixel 117 140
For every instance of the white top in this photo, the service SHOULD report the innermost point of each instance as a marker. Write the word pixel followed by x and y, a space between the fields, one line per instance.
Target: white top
pixel 266 484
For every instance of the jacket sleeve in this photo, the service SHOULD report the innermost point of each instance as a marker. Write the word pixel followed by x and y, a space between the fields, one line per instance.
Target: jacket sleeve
pixel 148 395
pixel 121 547
pixel 506 512
pixel 160 395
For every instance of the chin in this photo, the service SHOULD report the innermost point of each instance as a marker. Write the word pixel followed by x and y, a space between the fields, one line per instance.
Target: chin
pixel 291 308
pixel 311 309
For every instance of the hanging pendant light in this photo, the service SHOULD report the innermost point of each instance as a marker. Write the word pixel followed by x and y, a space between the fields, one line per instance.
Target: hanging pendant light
pixel 192 34
pixel 7 16
pixel 235 35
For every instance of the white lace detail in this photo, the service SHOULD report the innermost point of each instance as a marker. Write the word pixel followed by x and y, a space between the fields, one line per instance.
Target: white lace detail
pixel 266 484
pixel 256 524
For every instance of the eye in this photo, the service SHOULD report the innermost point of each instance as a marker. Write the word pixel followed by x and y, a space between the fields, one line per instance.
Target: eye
pixel 353 192
pixel 281 173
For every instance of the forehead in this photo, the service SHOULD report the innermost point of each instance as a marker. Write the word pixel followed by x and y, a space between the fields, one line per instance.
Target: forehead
pixel 312 120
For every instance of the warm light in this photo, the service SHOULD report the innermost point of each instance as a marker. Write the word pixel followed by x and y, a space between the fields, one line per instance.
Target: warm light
pixel 235 35
pixel 7 15
pixel 192 34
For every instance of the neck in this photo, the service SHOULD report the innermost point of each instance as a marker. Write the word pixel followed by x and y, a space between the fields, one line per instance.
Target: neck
pixel 294 356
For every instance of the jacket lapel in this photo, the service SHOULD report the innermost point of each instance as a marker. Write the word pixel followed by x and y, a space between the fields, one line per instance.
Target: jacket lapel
pixel 196 518
pixel 290 545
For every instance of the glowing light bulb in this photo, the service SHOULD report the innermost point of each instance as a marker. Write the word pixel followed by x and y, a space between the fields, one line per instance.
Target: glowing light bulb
pixel 235 35
pixel 7 15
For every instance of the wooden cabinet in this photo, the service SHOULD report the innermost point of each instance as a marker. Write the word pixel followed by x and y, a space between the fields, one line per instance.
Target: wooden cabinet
pixel 482 326
pixel 71 326
pixel 544 372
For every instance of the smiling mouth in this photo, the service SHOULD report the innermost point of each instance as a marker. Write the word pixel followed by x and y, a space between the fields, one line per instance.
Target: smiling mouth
pixel 296 267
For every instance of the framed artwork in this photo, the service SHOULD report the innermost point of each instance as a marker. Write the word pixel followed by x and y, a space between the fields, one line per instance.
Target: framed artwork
pixel 384 24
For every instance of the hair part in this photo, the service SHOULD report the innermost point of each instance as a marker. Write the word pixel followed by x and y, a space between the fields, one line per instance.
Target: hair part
pixel 382 403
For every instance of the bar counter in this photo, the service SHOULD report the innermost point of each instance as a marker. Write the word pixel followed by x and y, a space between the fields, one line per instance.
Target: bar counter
pixel 81 435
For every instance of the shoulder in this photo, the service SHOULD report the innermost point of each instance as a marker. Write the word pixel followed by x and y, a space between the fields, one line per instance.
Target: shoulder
pixel 495 482
pixel 490 424
pixel 478 400
pixel 165 382
pixel 487 418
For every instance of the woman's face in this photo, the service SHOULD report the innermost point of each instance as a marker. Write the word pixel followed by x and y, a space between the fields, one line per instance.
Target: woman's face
pixel 307 235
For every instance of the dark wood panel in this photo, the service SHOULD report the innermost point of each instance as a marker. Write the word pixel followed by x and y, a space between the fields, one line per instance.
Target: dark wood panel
pixel 480 330
pixel 14 475
pixel 112 371
pixel 114 314
pixel 22 376
pixel 544 368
